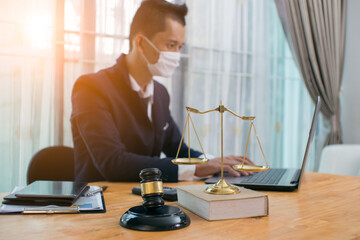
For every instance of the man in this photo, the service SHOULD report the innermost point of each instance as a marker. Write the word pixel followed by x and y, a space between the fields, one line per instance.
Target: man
pixel 121 121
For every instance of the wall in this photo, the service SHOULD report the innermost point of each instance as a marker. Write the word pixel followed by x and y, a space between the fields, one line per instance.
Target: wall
pixel 350 95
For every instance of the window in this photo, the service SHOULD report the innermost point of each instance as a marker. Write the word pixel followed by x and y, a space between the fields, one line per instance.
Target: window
pixel 235 51
pixel 44 46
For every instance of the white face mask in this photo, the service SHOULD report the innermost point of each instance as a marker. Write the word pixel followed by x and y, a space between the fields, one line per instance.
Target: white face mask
pixel 166 64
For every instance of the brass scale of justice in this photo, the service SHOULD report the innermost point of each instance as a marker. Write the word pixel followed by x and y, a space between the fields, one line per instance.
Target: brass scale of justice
pixel 222 187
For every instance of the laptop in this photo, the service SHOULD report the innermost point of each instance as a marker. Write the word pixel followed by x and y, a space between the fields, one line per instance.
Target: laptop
pixel 275 179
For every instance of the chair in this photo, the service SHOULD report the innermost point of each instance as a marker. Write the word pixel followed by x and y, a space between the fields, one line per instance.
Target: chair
pixel 343 159
pixel 52 163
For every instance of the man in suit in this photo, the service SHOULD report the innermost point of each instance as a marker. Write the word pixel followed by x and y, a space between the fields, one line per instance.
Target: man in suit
pixel 121 121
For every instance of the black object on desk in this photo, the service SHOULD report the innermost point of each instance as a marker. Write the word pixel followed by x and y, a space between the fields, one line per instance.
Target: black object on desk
pixel 153 215
pixel 13 200
pixel 61 193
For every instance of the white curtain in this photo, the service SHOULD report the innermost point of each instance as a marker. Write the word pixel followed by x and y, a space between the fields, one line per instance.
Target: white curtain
pixel 27 85
pixel 237 52
pixel 95 35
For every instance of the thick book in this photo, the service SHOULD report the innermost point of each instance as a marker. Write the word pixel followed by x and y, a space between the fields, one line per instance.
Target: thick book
pixel 247 203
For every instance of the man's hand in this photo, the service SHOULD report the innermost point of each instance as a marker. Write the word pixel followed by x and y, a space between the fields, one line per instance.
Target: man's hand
pixel 214 166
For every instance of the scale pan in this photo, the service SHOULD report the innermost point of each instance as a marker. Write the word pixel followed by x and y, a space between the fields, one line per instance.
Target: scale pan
pixel 250 168
pixel 189 161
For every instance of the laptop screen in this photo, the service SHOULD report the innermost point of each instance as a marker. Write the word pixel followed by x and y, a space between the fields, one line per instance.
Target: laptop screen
pixel 311 135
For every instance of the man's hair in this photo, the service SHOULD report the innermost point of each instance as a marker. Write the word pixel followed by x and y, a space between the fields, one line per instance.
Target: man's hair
pixel 150 18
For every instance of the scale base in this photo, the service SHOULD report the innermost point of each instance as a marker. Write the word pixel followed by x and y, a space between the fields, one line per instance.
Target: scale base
pixel 222 187
pixel 163 218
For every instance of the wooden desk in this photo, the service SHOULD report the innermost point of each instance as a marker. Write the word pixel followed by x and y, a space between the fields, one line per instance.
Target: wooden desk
pixel 326 207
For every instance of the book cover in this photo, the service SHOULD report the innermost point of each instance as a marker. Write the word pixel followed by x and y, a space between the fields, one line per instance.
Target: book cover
pixel 248 203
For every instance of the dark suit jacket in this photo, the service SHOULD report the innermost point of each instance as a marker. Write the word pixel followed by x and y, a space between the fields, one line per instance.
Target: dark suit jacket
pixel 113 137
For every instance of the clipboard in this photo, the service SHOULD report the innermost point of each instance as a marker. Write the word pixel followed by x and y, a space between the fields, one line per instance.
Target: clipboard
pixel 103 210
pixel 93 204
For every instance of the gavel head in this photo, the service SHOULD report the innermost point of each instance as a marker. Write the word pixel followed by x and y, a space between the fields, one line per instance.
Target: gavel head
pixel 153 215
pixel 151 188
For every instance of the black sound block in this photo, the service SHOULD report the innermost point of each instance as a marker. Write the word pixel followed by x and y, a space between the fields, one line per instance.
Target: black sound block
pixel 163 218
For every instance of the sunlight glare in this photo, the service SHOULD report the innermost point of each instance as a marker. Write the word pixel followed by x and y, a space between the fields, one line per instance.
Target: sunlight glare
pixel 39 31
pixel 72 23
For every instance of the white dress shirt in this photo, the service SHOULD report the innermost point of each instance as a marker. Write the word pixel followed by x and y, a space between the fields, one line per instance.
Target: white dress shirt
pixel 186 172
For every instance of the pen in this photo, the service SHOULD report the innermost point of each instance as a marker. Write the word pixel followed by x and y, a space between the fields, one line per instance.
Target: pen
pixel 50 210
pixel 102 189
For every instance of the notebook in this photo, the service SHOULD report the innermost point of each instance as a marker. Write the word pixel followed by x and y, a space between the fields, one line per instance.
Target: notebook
pixel 275 179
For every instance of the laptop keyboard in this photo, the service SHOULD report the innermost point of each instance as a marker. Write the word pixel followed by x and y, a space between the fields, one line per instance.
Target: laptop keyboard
pixel 271 176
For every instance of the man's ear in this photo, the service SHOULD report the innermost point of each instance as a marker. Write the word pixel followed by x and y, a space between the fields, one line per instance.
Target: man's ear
pixel 139 43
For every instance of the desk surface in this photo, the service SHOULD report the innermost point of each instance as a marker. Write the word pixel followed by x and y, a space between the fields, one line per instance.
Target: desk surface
pixel 326 207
